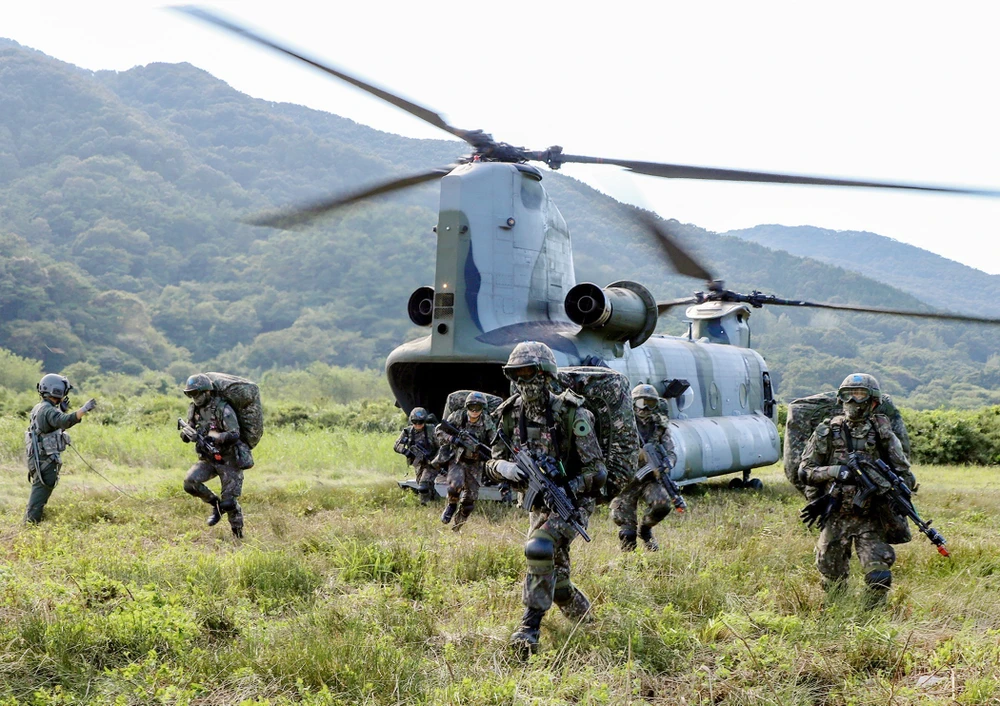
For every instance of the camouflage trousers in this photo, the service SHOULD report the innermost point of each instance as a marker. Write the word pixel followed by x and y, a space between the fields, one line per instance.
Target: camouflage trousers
pixel 549 580
pixel 425 473
pixel 463 482
pixel 625 508
pixel 866 534
pixel 232 488
pixel 42 485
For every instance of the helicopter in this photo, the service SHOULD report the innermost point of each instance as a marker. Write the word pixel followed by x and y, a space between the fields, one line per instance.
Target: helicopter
pixel 504 274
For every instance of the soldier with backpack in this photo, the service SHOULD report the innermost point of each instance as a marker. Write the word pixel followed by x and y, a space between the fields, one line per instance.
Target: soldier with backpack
pixel 558 432
pixel 463 440
pixel 214 428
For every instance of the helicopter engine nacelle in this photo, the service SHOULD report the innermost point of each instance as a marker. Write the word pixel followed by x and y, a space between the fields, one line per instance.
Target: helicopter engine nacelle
pixel 420 307
pixel 622 311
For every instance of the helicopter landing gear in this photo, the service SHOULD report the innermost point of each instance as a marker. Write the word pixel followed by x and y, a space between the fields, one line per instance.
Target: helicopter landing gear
pixel 746 482
pixel 754 484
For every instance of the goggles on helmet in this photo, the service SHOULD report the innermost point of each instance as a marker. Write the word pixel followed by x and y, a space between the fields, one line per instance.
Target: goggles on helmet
pixel 644 403
pixel 859 395
pixel 527 373
pixel 474 407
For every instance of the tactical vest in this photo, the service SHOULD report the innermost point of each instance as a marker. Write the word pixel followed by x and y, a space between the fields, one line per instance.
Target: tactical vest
pixel 49 445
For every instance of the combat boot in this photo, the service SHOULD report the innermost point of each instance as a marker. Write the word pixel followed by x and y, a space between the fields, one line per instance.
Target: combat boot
pixel 524 641
pixel 449 512
pixel 877 584
pixel 462 516
pixel 237 531
pixel 216 515
pixel 626 538
pixel 648 540
pixel 573 604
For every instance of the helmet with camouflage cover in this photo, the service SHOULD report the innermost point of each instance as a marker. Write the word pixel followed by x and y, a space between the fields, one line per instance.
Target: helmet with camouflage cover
pixel 645 392
pixel 418 415
pixel 198 383
pixel 860 381
pixel 475 398
pixel 53 385
pixel 530 354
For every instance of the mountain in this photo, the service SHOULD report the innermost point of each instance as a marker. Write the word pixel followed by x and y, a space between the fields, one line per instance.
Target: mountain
pixel 934 279
pixel 121 246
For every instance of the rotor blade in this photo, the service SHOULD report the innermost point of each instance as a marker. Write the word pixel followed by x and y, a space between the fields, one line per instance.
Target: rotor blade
pixel 425 114
pixel 663 307
pixel 680 171
pixel 758 299
pixel 301 215
pixel 682 261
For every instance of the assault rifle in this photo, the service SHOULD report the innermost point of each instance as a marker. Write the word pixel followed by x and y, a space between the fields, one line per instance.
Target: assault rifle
pixel 464 438
pixel 417 450
pixel 541 477
pixel 875 478
pixel 658 463
pixel 202 443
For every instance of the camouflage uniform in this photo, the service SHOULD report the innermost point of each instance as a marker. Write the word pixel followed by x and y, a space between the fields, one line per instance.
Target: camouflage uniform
pixel 216 415
pixel 549 539
pixel 465 466
pixel 424 439
pixel 657 448
pixel 49 422
pixel 868 528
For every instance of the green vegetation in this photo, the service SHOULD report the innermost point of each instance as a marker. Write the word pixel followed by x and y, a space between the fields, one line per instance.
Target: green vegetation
pixel 121 249
pixel 348 591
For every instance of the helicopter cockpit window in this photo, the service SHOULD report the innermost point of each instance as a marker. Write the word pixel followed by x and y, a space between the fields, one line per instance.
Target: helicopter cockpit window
pixel 531 194
pixel 717 332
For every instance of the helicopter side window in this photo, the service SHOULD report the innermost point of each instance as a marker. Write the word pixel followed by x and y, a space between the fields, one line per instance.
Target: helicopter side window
pixel 717 332
pixel 531 194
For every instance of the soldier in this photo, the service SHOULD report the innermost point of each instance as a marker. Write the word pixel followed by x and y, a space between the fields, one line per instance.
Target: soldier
pixel 658 449
pixel 559 430
pixel 45 440
pixel 465 461
pixel 868 528
pixel 418 443
pixel 213 427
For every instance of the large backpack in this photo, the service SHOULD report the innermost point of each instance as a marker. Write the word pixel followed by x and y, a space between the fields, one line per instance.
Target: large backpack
pixel 805 414
pixel 244 397
pixel 456 401
pixel 607 394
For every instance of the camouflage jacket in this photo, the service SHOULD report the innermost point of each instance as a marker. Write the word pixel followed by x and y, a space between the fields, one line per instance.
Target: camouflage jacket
pixel 217 415
pixel 483 431
pixel 655 431
pixel 425 438
pixel 570 440
pixel 827 450
pixel 48 423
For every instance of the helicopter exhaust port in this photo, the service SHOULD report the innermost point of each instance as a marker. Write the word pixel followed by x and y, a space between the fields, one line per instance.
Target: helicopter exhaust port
pixel 622 311
pixel 420 307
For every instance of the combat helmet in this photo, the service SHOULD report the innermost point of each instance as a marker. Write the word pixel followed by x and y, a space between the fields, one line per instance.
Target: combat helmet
pixel 530 354
pixel 859 381
pixel 198 383
pixel 53 385
pixel 645 392
pixel 475 398
pixel 418 415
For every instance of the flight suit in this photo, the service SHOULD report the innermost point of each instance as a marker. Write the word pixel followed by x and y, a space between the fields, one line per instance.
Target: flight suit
pixel 49 423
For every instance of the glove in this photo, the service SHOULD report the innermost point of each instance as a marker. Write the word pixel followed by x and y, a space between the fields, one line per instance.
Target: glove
pixel 186 438
pixel 845 474
pixel 88 405
pixel 510 471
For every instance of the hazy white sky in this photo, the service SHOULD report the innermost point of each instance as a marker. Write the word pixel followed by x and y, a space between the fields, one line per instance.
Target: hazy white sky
pixel 891 91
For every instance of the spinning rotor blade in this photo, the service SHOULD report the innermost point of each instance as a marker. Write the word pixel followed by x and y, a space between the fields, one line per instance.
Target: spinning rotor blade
pixel 682 261
pixel 758 299
pixel 425 114
pixel 663 307
pixel 680 171
pixel 296 216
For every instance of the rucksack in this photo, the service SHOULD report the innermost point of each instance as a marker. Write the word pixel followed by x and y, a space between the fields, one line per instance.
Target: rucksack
pixel 244 397
pixel 805 414
pixel 456 401
pixel 607 394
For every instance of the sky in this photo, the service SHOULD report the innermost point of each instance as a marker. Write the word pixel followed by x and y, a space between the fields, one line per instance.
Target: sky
pixel 892 91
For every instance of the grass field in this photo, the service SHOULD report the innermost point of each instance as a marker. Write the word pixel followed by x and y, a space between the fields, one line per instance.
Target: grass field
pixel 345 590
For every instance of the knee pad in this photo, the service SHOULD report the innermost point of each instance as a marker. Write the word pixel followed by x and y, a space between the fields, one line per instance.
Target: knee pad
pixel 657 513
pixel 880 579
pixel 563 593
pixel 190 487
pixel 228 505
pixel 540 551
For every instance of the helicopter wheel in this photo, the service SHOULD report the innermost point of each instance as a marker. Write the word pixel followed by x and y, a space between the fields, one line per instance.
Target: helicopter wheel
pixel 736 484
pixel 754 484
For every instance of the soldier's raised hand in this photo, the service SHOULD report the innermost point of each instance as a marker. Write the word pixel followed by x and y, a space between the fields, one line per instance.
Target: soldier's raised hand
pixel 88 405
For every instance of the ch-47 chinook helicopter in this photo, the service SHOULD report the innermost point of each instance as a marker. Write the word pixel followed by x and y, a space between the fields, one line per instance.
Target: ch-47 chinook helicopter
pixel 504 274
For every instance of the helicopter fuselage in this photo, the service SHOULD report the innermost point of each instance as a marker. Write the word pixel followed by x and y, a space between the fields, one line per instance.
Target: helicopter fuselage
pixel 504 274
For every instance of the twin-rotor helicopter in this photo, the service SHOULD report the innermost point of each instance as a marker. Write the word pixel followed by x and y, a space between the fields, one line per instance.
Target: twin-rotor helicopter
pixel 504 274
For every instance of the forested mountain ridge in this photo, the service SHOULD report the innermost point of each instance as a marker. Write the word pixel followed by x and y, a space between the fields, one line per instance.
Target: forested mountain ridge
pixel 936 280
pixel 120 244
